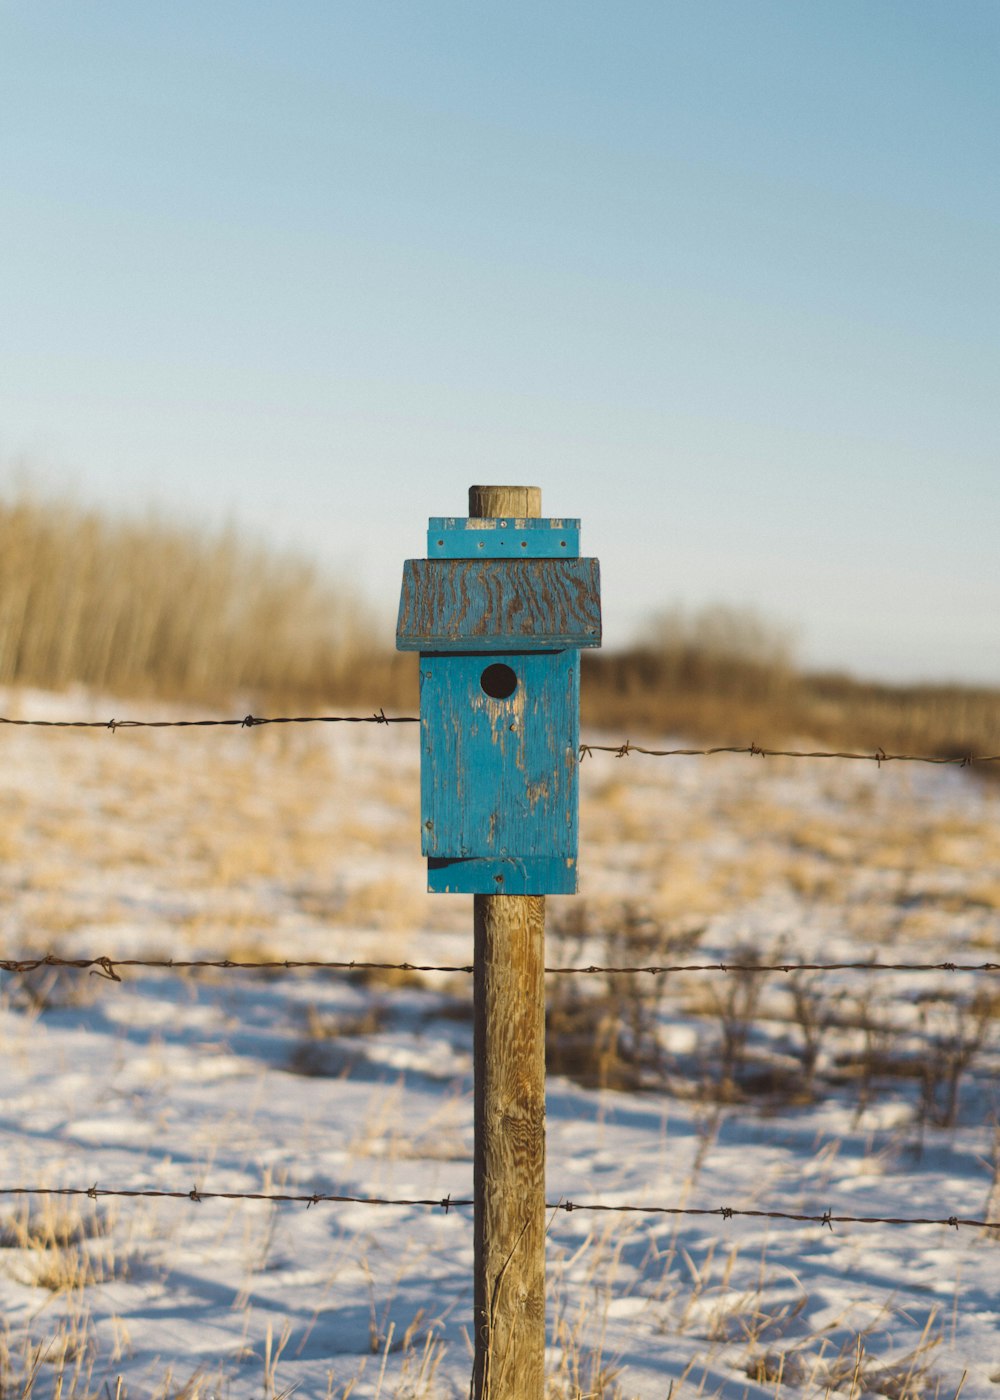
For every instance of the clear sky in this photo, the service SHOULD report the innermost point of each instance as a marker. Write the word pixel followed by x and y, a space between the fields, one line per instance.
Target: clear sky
pixel 721 276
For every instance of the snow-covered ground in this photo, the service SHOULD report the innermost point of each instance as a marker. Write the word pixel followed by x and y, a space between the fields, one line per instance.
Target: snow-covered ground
pixel 302 842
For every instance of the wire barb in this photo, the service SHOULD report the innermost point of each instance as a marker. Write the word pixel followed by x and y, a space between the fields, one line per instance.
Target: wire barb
pixel 105 968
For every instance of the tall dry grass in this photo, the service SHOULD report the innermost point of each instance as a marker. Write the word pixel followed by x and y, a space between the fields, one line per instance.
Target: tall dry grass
pixel 149 607
pixel 724 675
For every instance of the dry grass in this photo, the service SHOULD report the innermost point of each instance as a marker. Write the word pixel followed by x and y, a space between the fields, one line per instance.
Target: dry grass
pixel 723 675
pixel 60 1356
pixel 146 607
pixel 787 1039
pixel 50 1225
pixel 816 1368
pixel 579 1366
pixel 60 1249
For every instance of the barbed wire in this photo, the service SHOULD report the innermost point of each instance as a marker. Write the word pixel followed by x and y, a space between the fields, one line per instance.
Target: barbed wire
pixel 107 967
pixel 878 755
pixel 247 722
pixel 788 967
pixel 195 1194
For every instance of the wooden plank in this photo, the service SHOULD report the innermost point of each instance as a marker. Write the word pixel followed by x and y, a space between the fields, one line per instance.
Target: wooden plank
pixel 499 604
pixel 462 537
pixel 502 875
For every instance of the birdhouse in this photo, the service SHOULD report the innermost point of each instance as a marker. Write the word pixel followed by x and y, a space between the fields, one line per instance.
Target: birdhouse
pixel 499 611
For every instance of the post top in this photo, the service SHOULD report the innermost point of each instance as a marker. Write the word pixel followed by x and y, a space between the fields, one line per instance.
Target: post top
pixel 519 501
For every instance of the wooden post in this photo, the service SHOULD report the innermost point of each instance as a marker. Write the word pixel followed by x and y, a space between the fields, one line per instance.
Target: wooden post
pixel 509 1170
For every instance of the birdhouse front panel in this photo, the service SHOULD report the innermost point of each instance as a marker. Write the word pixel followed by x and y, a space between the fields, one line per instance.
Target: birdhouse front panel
pixel 500 737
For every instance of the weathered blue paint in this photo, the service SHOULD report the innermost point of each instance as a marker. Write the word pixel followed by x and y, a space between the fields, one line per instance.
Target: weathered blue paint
pixel 505 875
pixel 499 777
pixel 497 604
pixel 464 537
pixel 499 762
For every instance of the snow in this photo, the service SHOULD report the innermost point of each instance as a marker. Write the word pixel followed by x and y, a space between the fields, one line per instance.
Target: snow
pixel 252 844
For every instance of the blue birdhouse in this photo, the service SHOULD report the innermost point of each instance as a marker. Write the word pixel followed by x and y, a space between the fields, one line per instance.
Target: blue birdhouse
pixel 499 611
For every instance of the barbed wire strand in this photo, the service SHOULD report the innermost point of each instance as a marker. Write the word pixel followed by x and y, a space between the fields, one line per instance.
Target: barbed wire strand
pixel 107 967
pixel 195 1194
pixel 878 755
pixel 247 722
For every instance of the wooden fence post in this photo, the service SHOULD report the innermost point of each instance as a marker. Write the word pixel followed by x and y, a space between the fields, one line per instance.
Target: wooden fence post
pixel 509 1049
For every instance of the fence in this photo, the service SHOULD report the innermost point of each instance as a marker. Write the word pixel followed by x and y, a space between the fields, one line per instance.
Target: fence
pixel 878 756
pixel 112 968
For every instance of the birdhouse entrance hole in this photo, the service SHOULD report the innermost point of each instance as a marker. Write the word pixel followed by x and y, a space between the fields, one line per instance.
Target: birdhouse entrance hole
pixel 498 681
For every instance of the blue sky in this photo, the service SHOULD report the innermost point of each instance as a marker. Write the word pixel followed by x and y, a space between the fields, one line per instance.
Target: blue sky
pixel 721 277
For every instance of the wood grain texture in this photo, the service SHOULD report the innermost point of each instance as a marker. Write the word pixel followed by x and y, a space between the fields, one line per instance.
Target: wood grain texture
pixel 502 502
pixel 499 604
pixel 509 1168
